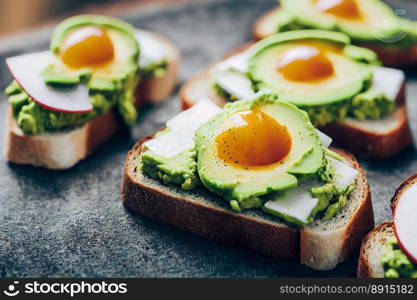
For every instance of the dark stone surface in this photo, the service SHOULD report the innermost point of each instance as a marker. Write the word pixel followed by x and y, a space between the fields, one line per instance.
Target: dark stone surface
pixel 71 223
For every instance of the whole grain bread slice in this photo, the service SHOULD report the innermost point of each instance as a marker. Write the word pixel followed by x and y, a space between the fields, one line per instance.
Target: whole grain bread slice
pixel 320 245
pixel 63 150
pixel 373 245
pixel 391 55
pixel 372 138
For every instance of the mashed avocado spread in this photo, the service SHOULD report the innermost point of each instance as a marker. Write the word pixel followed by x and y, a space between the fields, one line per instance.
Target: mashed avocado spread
pixel 33 119
pixel 396 264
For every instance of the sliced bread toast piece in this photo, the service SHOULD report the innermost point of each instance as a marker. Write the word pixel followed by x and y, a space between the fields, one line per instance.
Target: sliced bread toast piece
pixel 373 245
pixel 372 138
pixel 372 250
pixel 63 150
pixel 320 245
pixel 391 55
pixel 60 150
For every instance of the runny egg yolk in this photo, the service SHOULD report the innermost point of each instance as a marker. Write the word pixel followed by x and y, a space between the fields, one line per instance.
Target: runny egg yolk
pixel 347 9
pixel 88 46
pixel 254 139
pixel 305 63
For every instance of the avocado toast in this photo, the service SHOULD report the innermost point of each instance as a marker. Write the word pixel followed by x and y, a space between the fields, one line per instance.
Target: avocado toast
pixel 255 174
pixel 97 73
pixel 390 250
pixel 370 23
pixel 341 87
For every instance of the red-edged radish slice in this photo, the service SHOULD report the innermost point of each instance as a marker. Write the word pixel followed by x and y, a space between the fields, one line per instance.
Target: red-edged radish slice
pixel 26 70
pixel 405 222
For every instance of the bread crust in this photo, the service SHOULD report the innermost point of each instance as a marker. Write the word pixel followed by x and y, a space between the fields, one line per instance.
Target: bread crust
pixel 270 238
pixel 330 249
pixel 47 150
pixel 405 185
pixel 376 238
pixel 367 143
pixel 57 150
pixel 391 56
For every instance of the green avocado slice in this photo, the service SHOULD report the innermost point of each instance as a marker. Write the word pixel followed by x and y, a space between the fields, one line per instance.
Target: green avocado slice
pixel 122 35
pixel 244 185
pixel 368 28
pixel 349 79
pixel 110 85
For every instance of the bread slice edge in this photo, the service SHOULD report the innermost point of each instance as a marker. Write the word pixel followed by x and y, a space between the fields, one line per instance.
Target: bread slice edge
pixel 271 238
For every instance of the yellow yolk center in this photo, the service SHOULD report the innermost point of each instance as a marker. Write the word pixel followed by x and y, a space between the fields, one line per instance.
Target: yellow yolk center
pixel 347 9
pixel 254 140
pixel 305 63
pixel 89 46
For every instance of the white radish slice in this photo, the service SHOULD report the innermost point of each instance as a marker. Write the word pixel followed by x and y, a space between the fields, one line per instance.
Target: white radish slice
pixel 235 83
pixel 171 143
pixel 238 62
pixel 405 222
pixel 26 70
pixel 388 81
pixel 195 116
pixel 151 49
pixel 325 139
pixel 182 127
pixel 296 203
pixel 345 175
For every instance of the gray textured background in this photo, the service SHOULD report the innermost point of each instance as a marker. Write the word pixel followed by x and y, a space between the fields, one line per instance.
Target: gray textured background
pixel 71 223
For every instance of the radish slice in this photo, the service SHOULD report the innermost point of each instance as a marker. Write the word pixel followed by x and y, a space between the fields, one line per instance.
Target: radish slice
pixel 195 116
pixel 26 70
pixel 151 49
pixel 325 139
pixel 405 222
pixel 388 81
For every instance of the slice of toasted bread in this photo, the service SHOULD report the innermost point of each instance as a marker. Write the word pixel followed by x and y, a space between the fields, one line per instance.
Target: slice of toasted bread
pixel 57 150
pixel 157 89
pixel 372 250
pixel 373 245
pixel 372 138
pixel 320 245
pixel 391 55
pixel 64 149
